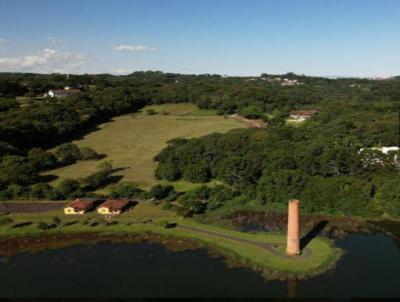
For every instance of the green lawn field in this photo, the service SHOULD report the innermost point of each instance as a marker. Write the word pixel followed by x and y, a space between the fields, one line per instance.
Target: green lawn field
pixel 131 141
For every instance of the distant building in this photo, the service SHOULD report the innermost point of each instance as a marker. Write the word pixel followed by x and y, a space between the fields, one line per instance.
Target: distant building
pixel 114 206
pixel 62 93
pixel 288 82
pixel 302 114
pixel 384 150
pixel 79 206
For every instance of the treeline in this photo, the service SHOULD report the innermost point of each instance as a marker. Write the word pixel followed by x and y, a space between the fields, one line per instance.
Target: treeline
pixel 44 121
pixel 321 153
pixel 20 176
pixel 317 162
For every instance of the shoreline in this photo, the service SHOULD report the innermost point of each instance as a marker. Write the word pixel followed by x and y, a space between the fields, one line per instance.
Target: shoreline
pixel 172 240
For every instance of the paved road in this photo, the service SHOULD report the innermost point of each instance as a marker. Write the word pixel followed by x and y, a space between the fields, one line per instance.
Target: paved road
pixel 30 207
pixel 273 248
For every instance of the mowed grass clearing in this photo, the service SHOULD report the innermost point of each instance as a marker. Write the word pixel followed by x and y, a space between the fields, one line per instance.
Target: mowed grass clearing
pixel 131 141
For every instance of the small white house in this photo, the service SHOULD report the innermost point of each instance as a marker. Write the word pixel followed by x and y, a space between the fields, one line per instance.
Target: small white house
pixel 384 150
pixel 79 206
pixel 302 115
pixel 61 93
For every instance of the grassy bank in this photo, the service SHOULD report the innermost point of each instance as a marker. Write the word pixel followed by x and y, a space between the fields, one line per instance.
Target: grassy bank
pixel 261 252
pixel 132 141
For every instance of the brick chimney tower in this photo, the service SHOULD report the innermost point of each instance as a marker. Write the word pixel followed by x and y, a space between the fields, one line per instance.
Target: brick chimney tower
pixel 293 234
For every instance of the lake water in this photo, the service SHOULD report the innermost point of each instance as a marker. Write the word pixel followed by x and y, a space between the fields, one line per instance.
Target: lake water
pixel 369 268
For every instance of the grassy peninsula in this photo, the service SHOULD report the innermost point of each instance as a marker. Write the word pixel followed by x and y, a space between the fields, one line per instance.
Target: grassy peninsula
pixel 261 252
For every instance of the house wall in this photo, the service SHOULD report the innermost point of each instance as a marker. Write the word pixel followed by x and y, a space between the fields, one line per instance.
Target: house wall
pixel 106 211
pixel 71 211
pixel 298 117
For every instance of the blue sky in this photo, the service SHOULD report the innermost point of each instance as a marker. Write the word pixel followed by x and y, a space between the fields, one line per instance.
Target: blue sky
pixel 234 37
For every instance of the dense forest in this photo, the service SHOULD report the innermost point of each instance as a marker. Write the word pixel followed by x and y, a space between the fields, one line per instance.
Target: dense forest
pixel 318 160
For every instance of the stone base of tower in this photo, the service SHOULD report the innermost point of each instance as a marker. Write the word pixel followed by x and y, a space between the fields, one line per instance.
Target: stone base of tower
pixel 293 253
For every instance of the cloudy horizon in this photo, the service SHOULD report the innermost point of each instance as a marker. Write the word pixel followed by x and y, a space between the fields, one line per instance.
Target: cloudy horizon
pixel 343 38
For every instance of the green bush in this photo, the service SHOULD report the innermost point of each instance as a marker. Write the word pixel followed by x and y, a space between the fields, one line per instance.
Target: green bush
pixel 88 153
pixel 42 191
pixel 69 188
pixel 197 173
pixel 6 104
pixel 96 180
pixel 166 206
pixel 252 112
pixel 56 221
pixel 17 170
pixel 42 160
pixel 5 220
pixel 160 192
pixel 205 198
pixel 44 226
pixel 125 190
pixel 68 153
pixel 16 191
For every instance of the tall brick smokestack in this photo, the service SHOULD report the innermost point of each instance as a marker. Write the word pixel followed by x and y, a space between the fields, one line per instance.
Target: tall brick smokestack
pixel 293 235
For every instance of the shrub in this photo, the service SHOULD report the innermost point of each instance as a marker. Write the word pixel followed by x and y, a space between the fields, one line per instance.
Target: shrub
pixel 96 180
pixel 57 221
pixel 42 160
pixel 105 165
pixel 197 173
pixel 69 188
pixel 5 195
pixel 17 170
pixel 43 226
pixel 151 112
pixel 6 104
pixel 67 153
pixel 252 112
pixel 162 192
pixel 125 190
pixel 5 220
pixel 42 191
pixel 16 191
pixel 205 199
pixel 88 153
pixel 166 206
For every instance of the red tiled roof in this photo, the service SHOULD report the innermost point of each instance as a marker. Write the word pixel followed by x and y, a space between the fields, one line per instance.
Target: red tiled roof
pixel 115 204
pixel 303 112
pixel 80 204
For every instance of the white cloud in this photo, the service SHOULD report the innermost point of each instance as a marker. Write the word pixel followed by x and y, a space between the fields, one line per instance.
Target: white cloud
pixel 47 60
pixel 119 71
pixel 3 40
pixel 54 40
pixel 133 47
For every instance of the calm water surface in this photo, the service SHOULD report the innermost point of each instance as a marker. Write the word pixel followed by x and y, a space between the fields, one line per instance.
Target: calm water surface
pixel 369 268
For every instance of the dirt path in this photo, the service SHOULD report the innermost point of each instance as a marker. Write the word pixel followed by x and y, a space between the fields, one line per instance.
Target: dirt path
pixel 273 248
pixel 248 122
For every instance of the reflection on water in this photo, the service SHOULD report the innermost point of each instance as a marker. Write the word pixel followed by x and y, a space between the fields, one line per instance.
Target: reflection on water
pixel 369 268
